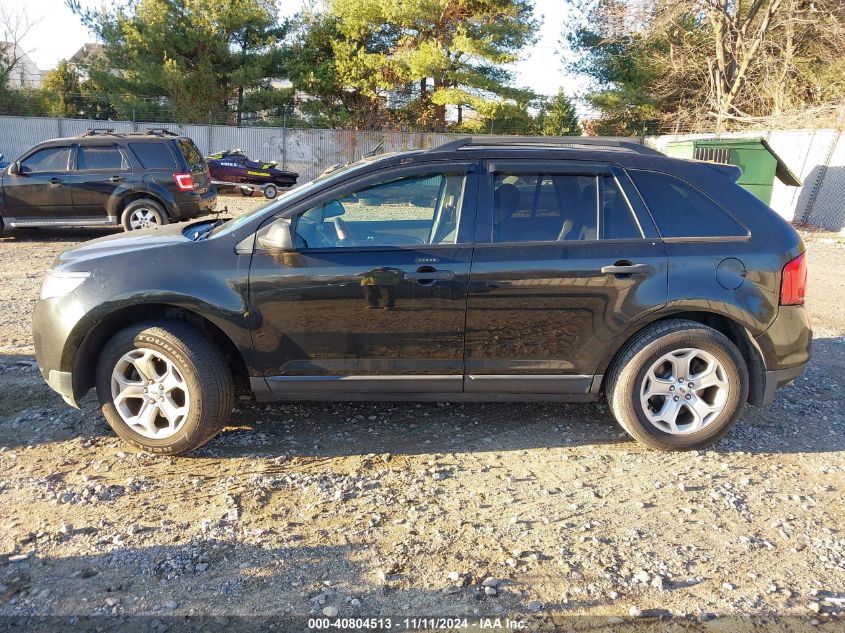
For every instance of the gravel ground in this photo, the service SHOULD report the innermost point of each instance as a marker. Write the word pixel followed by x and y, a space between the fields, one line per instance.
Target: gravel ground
pixel 420 509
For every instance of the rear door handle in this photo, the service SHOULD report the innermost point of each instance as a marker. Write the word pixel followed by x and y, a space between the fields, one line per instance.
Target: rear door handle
pixel 115 178
pixel 625 269
pixel 434 275
pixel 55 181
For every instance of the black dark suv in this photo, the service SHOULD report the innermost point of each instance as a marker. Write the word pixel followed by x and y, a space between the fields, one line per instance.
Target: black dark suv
pixel 102 177
pixel 482 270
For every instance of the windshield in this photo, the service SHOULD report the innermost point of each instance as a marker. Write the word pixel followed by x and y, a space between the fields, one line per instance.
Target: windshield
pixel 291 194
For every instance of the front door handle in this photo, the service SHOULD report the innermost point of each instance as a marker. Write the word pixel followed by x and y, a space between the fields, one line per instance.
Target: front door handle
pixel 115 178
pixel 625 269
pixel 55 181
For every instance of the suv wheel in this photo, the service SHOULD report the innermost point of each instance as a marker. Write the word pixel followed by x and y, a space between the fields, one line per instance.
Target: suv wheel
pixel 164 387
pixel 143 213
pixel 678 385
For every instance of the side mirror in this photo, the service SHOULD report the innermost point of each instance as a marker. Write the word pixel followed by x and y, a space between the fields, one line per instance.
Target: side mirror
pixel 15 168
pixel 277 237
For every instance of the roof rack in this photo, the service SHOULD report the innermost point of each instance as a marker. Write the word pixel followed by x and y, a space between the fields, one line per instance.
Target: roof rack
pixel 94 131
pixel 634 145
pixel 160 131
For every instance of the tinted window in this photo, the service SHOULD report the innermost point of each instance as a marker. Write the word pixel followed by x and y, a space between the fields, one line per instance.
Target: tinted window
pixel 408 211
pixel 680 210
pixel 544 207
pixel 104 157
pixel 47 159
pixel 153 155
pixel 616 220
pixel 191 154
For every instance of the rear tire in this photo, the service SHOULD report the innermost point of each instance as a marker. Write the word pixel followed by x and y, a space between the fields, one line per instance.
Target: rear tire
pixel 143 213
pixel 164 387
pixel 686 412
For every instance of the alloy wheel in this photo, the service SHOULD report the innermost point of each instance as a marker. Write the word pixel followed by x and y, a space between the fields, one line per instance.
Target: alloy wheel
pixel 149 393
pixel 142 219
pixel 684 391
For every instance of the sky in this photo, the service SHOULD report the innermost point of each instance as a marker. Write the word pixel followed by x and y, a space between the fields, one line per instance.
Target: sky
pixel 58 34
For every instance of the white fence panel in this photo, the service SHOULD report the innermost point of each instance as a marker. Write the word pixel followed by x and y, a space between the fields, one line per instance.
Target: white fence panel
pixel 818 157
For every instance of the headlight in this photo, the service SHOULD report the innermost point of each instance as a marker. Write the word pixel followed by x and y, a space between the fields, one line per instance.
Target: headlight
pixel 57 283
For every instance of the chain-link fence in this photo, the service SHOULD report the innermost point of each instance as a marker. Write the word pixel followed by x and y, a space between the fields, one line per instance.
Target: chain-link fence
pixel 816 156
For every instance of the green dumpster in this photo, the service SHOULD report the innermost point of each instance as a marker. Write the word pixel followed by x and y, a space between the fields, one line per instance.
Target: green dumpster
pixel 759 162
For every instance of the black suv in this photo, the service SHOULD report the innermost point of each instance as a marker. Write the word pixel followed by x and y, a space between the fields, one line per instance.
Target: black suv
pixel 482 270
pixel 102 177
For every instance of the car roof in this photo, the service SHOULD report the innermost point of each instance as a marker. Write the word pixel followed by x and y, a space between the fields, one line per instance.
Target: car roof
pixel 95 134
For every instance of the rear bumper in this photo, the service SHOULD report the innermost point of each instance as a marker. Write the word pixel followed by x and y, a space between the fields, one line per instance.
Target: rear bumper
pixel 195 204
pixel 785 348
pixel 777 378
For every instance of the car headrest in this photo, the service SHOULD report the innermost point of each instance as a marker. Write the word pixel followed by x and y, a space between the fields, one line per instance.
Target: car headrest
pixel 506 200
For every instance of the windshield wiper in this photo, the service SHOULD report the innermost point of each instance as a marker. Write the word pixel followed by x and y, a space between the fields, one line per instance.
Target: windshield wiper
pixel 206 231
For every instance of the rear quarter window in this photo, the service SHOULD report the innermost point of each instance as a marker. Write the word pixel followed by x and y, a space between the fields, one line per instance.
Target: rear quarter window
pixel 153 155
pixel 681 210
pixel 191 154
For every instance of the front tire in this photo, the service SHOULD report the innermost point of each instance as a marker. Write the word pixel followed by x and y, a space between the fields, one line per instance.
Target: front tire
pixel 142 214
pixel 678 385
pixel 164 387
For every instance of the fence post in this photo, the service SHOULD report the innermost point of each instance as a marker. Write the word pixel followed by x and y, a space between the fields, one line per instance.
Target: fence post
pixel 284 137
pixel 59 128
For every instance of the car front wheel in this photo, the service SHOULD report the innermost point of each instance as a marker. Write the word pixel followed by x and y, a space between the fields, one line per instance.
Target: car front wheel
pixel 164 387
pixel 678 385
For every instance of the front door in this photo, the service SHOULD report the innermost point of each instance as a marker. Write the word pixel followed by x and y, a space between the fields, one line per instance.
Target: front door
pixel 374 298
pixel 100 169
pixel 562 267
pixel 39 193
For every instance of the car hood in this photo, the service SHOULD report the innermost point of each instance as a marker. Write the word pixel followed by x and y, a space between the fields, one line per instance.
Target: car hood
pixel 121 243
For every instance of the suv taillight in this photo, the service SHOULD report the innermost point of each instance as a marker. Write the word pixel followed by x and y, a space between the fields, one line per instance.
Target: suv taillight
pixel 185 182
pixel 793 284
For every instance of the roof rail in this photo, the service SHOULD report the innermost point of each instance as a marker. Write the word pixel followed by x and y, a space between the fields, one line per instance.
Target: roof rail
pixel 160 131
pixel 93 131
pixel 634 145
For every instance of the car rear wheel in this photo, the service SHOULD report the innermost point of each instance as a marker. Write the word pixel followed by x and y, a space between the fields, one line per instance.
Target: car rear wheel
pixel 164 387
pixel 678 385
pixel 142 214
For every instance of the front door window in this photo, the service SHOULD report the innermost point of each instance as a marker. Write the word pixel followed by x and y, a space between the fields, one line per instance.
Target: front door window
pixel 411 211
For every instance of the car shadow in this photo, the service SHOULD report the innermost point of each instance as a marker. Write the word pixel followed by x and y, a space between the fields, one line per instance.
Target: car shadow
pixel 71 235
pixel 805 417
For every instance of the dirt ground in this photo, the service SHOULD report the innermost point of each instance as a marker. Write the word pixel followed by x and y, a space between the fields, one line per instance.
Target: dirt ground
pixel 369 510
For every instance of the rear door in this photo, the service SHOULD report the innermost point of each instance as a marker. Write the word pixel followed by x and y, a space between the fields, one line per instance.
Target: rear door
pixel 374 298
pixel 563 265
pixel 99 170
pixel 40 192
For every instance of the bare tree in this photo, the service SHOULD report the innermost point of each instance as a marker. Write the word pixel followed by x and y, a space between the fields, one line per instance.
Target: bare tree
pixel 14 27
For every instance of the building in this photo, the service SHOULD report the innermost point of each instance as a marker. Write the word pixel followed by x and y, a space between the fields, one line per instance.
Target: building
pixel 24 73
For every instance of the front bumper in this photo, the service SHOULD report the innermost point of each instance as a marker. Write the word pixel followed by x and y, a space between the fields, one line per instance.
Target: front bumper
pixel 62 383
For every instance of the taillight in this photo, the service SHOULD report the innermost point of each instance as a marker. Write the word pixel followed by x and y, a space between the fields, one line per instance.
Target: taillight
pixel 793 285
pixel 185 182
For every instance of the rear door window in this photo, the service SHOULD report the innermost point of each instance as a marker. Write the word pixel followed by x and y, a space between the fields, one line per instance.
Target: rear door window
pixel 46 159
pixel 560 207
pixel 153 155
pixel 681 210
pixel 100 158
